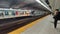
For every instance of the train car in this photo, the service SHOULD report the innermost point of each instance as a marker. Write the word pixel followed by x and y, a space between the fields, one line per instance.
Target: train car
pixel 38 13
pixel 11 13
pixel 33 4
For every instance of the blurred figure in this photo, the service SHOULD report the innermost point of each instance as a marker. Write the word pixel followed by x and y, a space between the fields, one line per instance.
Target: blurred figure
pixel 32 12
pixel 56 17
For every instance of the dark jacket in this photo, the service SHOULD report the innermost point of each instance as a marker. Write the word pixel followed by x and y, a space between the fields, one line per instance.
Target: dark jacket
pixel 57 16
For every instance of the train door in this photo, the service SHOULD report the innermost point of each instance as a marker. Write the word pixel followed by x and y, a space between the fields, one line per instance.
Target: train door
pixel 6 12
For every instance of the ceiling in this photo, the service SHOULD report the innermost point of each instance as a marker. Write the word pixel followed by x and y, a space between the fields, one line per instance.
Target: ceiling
pixel 20 4
pixel 13 3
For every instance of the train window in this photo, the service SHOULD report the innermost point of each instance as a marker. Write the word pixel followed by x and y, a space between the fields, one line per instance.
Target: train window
pixel 6 13
pixel 13 13
pixel 10 12
pixel 1 13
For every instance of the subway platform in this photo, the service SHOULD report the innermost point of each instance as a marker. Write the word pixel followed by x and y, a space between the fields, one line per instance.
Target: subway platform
pixel 41 26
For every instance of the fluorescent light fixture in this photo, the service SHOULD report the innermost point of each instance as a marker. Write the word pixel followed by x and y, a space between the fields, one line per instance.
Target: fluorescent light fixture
pixel 42 4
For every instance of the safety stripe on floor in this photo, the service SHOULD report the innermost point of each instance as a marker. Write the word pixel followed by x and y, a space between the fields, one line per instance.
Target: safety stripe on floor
pixel 22 29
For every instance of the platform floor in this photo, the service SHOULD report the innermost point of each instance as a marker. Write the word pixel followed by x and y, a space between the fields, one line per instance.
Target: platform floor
pixel 43 27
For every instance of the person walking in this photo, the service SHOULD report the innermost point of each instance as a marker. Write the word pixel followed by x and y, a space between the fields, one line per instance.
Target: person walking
pixel 56 17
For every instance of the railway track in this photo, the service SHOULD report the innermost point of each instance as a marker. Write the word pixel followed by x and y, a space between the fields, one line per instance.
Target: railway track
pixel 8 27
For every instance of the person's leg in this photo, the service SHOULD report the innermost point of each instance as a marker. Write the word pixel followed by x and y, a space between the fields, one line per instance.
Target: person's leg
pixel 55 23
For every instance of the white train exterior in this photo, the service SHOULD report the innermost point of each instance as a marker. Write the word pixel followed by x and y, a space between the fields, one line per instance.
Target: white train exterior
pixel 11 13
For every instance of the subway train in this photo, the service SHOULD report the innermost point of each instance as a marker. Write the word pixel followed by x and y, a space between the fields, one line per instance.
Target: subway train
pixel 11 13
pixel 35 8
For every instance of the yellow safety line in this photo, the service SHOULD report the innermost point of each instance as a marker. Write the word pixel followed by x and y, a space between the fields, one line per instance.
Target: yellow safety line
pixel 22 29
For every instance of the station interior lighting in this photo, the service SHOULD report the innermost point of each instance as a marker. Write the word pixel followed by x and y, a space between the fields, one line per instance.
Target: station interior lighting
pixel 43 4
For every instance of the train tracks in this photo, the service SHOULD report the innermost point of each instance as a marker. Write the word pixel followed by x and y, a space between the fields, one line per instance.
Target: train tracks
pixel 7 27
